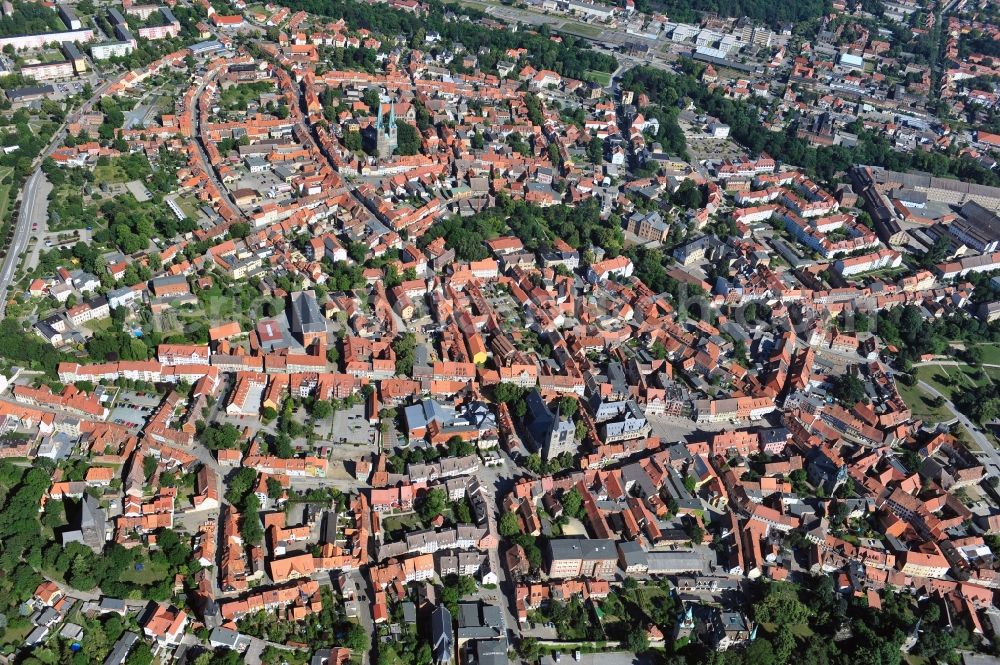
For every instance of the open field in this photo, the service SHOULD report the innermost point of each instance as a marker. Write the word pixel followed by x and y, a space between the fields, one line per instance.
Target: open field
pixel 5 197
pixel 109 173
pixel 948 380
pixel 920 404
pixel 991 353
pixel 919 401
pixel 189 205
pixel 150 573
pixel 582 29
pixel 603 78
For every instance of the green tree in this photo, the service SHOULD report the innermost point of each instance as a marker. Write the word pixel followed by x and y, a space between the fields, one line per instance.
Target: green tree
pixel 688 195
pixel 462 512
pixel 509 525
pixel 149 464
pixel 568 406
pixel 240 484
pixel 322 410
pixel 781 606
pixel 636 639
pixel 433 504
pixel 408 139
pixel 508 392
pixel 352 141
pixel 372 100
pixel 356 639
pixel 404 348
pixel 572 503
pixel 760 652
pixel 251 528
pixel 849 389
pixel 595 150
pixel 141 654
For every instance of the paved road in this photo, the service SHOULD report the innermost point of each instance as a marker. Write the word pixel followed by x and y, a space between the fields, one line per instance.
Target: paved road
pixel 22 227
pixel 980 439
pixel 364 611
pixel 955 363
pixel 22 232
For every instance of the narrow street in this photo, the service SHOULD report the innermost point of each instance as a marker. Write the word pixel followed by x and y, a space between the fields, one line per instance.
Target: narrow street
pixel 202 155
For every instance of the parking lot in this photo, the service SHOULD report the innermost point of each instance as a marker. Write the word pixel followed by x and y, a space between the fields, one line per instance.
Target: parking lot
pixel 351 427
pixel 132 408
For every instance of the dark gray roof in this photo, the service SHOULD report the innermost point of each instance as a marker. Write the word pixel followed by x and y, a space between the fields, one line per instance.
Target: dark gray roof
pixel 491 652
pixel 30 91
pixel 121 649
pixel 306 315
pixel 72 51
pixel 582 548
pixel 632 553
pixel 442 639
pixel 478 621
pixel 983 220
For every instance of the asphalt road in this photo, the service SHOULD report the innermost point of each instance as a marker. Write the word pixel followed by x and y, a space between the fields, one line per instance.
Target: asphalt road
pixel 19 242
pixel 22 226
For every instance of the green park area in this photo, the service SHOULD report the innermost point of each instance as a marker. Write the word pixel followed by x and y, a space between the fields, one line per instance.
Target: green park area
pixel 583 29
pixel 5 188
pixel 602 78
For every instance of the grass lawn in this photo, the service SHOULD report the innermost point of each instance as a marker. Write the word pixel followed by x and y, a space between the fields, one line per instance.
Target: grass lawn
pixel 650 594
pixel 951 379
pixel 98 325
pixel 149 574
pixel 991 353
pixel 189 205
pixel 165 103
pixel 919 403
pixel 603 78
pixel 968 377
pixel 109 173
pixel 401 523
pixel 4 201
pixel 938 377
pixel 978 376
pixel 5 193
pixel 239 96
pixel 582 29
pixel 17 636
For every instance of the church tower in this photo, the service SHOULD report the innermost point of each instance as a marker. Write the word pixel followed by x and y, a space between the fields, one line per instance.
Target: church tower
pixel 386 137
